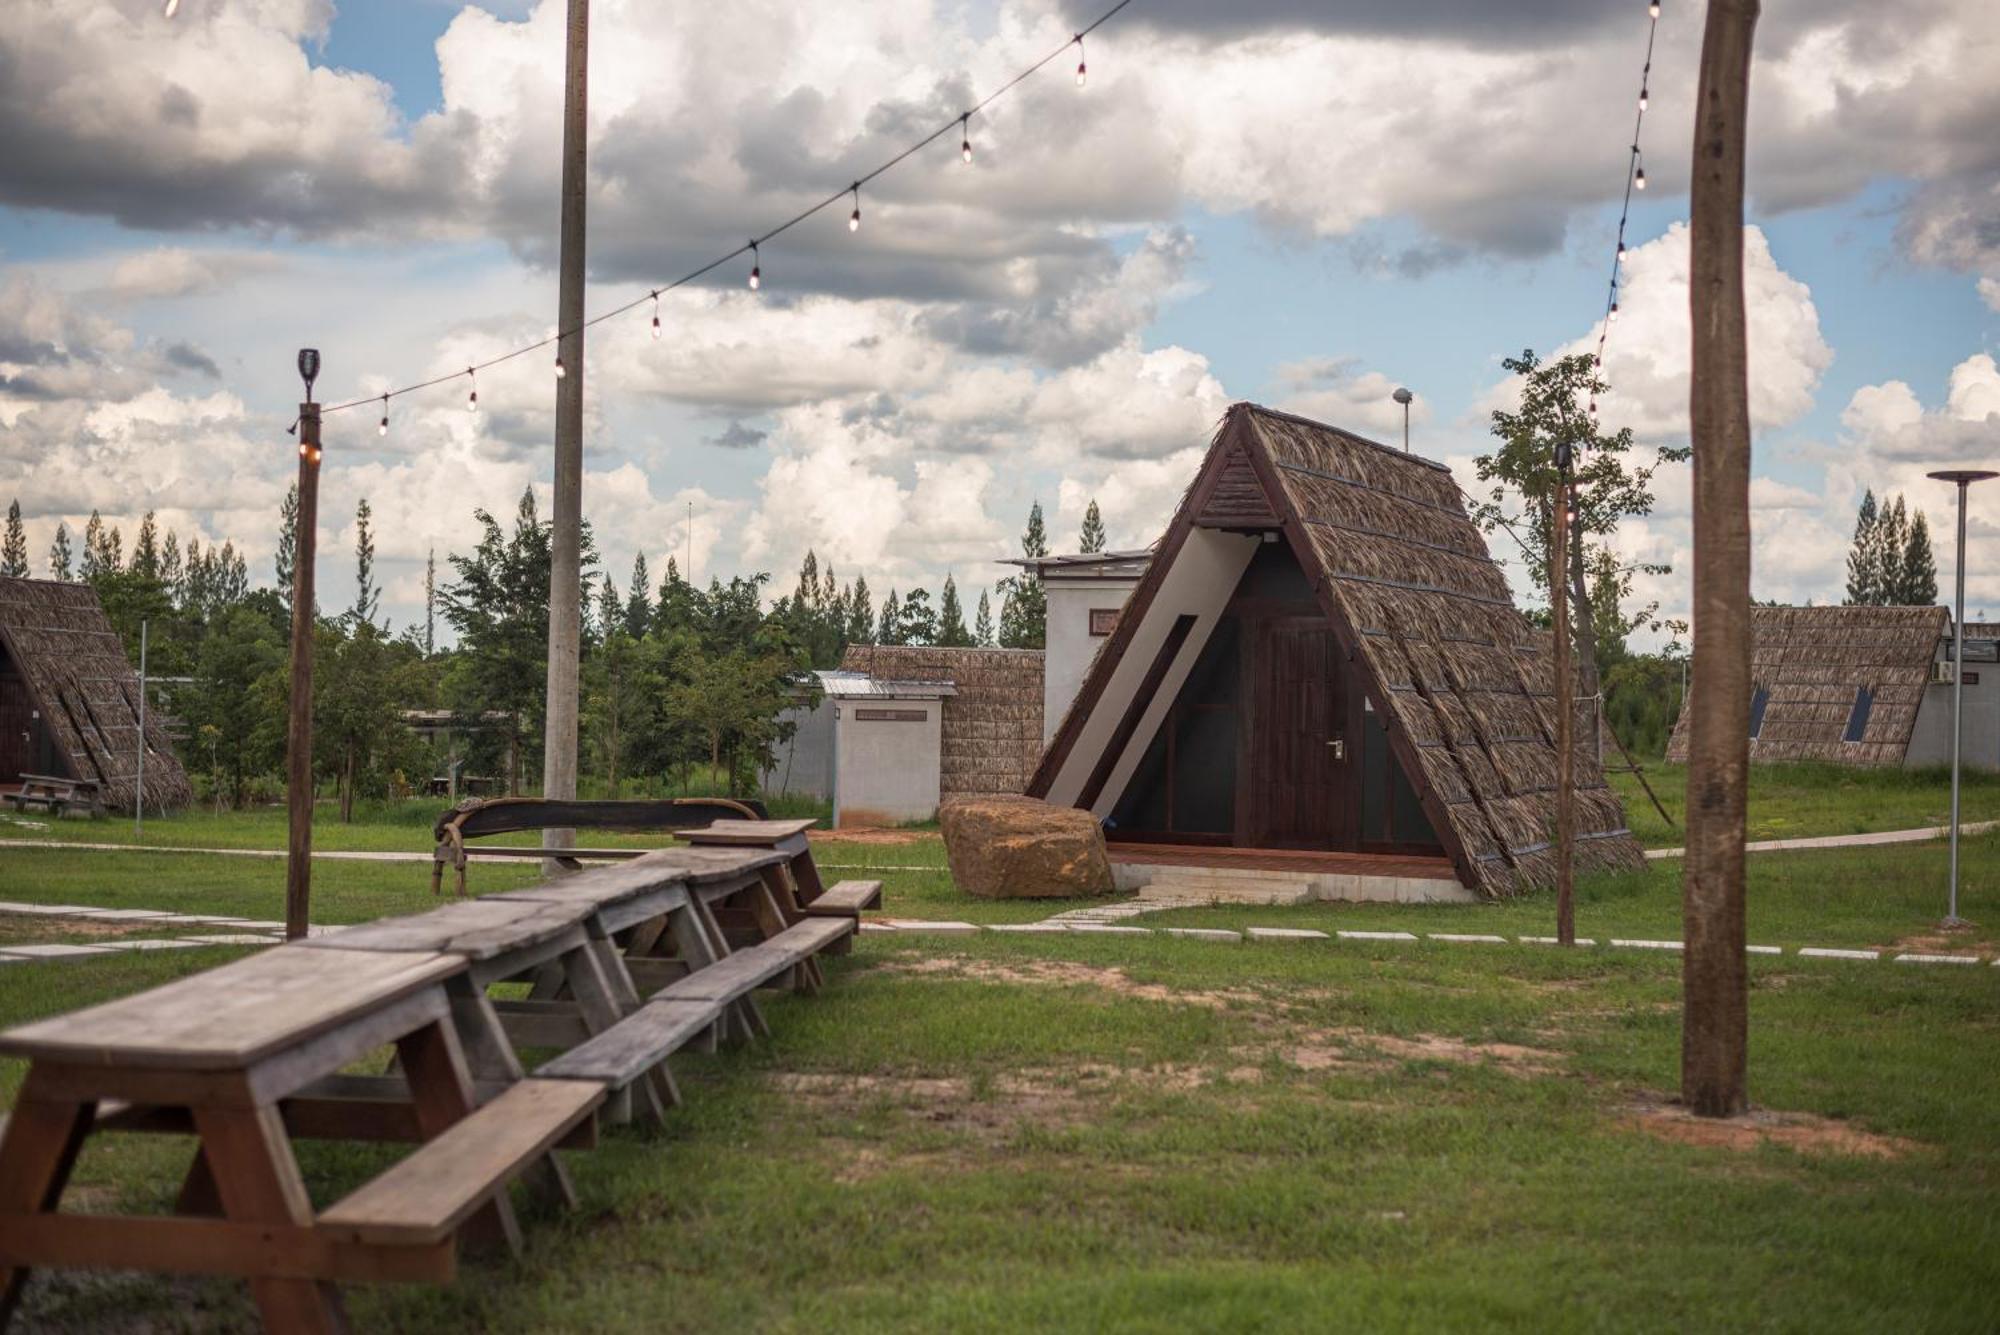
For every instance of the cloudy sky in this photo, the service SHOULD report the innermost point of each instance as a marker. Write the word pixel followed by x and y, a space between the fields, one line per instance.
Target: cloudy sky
pixel 1300 202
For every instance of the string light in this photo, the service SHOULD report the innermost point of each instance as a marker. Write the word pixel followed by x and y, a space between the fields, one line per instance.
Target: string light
pixel 383 429
pixel 1653 9
pixel 752 247
pixel 1635 180
pixel 561 370
pixel 1638 169
pixel 171 8
pixel 1643 96
pixel 656 315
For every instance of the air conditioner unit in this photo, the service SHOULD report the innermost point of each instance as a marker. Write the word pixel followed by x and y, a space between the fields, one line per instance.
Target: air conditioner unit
pixel 1944 673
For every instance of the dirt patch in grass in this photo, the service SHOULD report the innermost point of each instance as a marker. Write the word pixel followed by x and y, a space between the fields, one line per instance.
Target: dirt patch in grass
pixel 1350 1049
pixel 1967 940
pixel 1806 1132
pixel 1057 973
pixel 30 927
pixel 867 836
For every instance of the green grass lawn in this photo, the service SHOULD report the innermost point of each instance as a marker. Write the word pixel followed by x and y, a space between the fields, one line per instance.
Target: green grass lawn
pixel 1150 1134
pixel 1795 801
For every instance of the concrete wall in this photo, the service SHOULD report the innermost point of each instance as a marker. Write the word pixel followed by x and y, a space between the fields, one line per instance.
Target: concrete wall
pixel 805 764
pixel 887 756
pixel 1070 645
pixel 1930 741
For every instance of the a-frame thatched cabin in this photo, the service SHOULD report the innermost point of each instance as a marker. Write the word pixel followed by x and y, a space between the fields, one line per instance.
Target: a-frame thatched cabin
pixel 1324 660
pixel 69 699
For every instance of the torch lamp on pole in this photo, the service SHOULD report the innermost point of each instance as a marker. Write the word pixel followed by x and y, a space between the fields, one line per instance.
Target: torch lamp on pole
pixel 298 733
pixel 1963 478
pixel 1403 396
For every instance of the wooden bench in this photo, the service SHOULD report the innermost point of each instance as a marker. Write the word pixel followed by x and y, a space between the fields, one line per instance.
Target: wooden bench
pixel 54 794
pixel 426 1198
pixel 846 899
pixel 479 818
pixel 691 1008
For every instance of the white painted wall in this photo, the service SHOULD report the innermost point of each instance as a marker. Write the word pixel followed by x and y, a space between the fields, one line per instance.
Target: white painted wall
pixel 1930 741
pixel 1070 646
pixel 1199 582
pixel 886 772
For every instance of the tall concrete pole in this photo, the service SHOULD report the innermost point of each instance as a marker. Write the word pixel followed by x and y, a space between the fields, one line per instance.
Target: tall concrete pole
pixel 559 739
pixel 299 727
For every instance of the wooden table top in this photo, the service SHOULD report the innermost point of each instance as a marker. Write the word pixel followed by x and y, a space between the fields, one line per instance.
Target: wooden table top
pixel 478 929
pixel 747 832
pixel 229 1017
pixel 605 885
pixel 704 866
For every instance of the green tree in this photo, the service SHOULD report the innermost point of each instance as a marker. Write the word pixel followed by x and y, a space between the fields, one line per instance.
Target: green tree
pixel 430 602
pixel 170 566
pixel 860 613
pixel 357 713
pixel 982 624
pixel 1024 611
pixel 889 627
pixel 951 631
pixel 60 566
pixel 1608 487
pixel 288 542
pixel 1919 566
pixel 237 706
pixel 919 619
pixel 638 617
pixel 1864 570
pixel 14 550
pixel 367 597
pixel 1092 538
pixel 1891 539
pixel 146 548
pixel 621 691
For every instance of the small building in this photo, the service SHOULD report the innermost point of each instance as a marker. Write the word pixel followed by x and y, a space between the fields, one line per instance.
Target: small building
pixel 1322 675
pixel 1085 592
pixel 69 699
pixel 1864 686
pixel 872 749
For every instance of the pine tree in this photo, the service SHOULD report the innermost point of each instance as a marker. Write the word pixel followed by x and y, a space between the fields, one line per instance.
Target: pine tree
pixel 860 613
pixel 170 565
pixel 1864 576
pixel 14 551
pixel 982 624
pixel 367 597
pixel 1891 538
pixel 639 602
pixel 919 622
pixel 889 630
pixel 288 543
pixel 1919 566
pixel 1025 613
pixel 951 632
pixel 93 547
pixel 430 602
pixel 59 555
pixel 1091 540
pixel 146 549
pixel 610 611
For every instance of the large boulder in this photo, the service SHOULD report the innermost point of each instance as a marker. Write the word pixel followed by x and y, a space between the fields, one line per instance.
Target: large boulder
pixel 1021 848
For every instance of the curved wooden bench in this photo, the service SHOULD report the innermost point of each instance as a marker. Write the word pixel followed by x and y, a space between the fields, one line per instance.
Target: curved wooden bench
pixel 477 818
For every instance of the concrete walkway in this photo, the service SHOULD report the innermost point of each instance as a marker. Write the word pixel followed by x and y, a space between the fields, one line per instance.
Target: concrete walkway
pixel 1847 840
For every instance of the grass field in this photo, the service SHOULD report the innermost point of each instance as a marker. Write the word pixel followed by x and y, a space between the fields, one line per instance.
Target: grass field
pixel 1153 1134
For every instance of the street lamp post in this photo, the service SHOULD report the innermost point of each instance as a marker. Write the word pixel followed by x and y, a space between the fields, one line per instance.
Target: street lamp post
pixel 1964 478
pixel 1403 396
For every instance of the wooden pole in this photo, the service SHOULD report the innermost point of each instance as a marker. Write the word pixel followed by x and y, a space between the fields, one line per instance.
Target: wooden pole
pixel 1565 720
pixel 1715 1024
pixel 559 737
pixel 299 731
pixel 139 796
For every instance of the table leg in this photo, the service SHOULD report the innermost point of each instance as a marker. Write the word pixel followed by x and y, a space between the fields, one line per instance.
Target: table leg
pixel 259 1182
pixel 198 1195
pixel 489 1056
pixel 37 1152
pixel 749 1019
pixel 441 1090
pixel 600 1005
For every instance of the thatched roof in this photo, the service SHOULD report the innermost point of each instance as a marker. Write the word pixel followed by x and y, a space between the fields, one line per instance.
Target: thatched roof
pixel 992 725
pixel 1811 660
pixel 1406 582
pixel 60 641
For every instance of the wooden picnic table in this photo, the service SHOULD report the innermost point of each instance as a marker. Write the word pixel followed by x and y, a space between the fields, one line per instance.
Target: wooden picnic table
pixel 238 1055
pixel 784 836
pixel 55 793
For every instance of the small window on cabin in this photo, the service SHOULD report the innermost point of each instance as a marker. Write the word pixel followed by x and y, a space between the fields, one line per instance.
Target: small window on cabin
pixel 1857 720
pixel 1759 697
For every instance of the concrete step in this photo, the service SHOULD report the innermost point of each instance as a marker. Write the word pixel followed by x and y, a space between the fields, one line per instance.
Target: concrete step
pixel 1226 889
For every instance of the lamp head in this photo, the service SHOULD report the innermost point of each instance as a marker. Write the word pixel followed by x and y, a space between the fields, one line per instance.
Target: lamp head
pixel 1963 476
pixel 1403 396
pixel 309 369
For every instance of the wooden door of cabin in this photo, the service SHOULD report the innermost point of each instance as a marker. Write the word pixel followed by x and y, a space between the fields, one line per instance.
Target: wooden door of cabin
pixel 18 727
pixel 1300 791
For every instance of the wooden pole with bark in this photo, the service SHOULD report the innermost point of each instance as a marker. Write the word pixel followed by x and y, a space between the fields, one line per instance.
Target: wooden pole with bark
pixel 1715 1027
pixel 299 727
pixel 1565 684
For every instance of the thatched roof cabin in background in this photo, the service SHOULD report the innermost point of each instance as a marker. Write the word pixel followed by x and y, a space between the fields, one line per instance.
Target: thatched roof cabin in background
pixel 1426 630
pixel 1809 667
pixel 58 644
pixel 992 721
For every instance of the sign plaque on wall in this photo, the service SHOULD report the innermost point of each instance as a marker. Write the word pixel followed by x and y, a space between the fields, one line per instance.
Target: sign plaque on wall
pixel 890 716
pixel 1103 620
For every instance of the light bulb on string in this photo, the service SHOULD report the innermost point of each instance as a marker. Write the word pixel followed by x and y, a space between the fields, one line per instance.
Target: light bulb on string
pixel 1612 318
pixel 1639 179
pixel 1080 70
pixel 1643 97
pixel 854 218
pixel 472 396
pixel 171 8
pixel 383 429
pixel 1653 9
pixel 756 269
pixel 656 315
pixel 561 370
pixel 965 137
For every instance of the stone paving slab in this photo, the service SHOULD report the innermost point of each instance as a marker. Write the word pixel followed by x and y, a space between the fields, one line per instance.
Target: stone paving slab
pixel 1109 929
pixel 54 950
pixel 1937 959
pixel 1647 945
pixel 1284 934
pixel 1820 952
pixel 1204 933
pixel 1552 941
pixel 1467 936
pixel 1377 936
